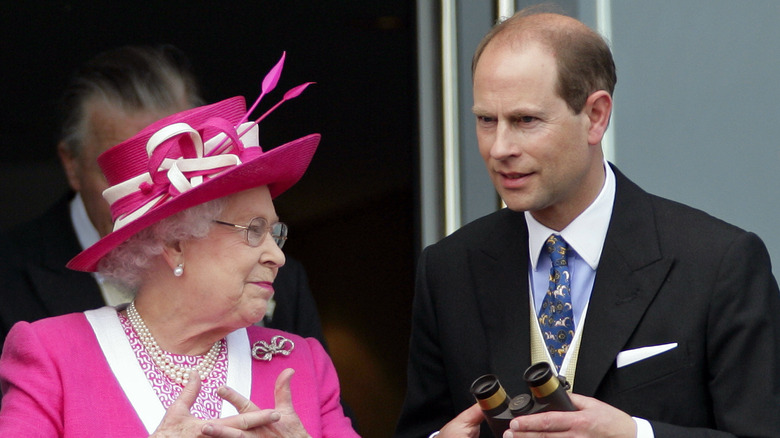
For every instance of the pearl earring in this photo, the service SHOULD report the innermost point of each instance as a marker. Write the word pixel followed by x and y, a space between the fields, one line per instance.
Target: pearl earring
pixel 178 270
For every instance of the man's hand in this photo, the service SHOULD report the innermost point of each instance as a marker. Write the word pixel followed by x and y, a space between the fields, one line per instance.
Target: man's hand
pixel 465 425
pixel 593 419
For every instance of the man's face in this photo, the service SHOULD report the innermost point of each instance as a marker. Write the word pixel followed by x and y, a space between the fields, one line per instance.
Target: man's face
pixel 535 148
pixel 106 126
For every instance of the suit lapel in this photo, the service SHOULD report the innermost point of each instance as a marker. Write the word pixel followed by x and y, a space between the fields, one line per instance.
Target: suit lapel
pixel 62 290
pixel 503 297
pixel 630 273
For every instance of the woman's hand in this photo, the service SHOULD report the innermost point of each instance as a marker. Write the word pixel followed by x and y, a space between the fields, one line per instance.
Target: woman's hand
pixel 178 421
pixel 251 421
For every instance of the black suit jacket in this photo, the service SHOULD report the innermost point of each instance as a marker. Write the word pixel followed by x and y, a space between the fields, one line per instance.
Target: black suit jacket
pixel 668 273
pixel 35 284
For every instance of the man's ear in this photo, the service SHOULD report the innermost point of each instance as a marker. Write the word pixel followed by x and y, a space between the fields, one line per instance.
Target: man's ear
pixel 598 108
pixel 70 164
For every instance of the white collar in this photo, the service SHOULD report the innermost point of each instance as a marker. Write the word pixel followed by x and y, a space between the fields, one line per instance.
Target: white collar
pixel 85 231
pixel 586 233
pixel 119 354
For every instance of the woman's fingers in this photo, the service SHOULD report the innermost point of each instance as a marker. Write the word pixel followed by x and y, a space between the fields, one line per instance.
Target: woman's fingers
pixel 252 418
pixel 178 421
pixel 232 396
pixel 249 415
pixel 233 427
pixel 282 393
pixel 188 394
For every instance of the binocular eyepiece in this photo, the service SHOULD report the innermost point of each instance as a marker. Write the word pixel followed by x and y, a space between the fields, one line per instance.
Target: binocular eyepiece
pixel 548 393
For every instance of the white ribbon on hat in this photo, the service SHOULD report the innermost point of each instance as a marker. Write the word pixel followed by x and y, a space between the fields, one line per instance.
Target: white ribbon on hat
pixel 175 169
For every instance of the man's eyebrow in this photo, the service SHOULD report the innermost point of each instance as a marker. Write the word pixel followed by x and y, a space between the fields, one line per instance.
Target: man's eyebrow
pixel 479 111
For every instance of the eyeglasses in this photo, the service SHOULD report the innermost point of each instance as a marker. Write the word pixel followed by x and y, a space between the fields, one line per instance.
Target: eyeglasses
pixel 257 229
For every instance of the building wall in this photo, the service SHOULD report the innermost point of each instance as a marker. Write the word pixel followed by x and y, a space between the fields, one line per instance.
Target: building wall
pixel 697 106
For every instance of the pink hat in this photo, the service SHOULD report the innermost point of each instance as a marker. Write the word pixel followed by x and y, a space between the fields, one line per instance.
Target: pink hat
pixel 190 158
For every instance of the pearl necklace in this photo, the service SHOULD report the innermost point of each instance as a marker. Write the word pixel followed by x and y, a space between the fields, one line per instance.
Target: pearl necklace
pixel 177 373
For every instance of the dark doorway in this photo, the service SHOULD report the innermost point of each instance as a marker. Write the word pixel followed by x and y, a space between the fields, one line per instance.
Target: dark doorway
pixel 353 215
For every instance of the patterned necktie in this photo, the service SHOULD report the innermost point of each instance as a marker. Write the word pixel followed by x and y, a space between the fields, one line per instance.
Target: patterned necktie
pixel 556 318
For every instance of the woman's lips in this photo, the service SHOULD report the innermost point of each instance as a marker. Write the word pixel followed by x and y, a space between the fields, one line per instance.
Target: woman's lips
pixel 267 285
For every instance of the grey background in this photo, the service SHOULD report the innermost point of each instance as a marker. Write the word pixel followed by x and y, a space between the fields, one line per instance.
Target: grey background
pixel 697 106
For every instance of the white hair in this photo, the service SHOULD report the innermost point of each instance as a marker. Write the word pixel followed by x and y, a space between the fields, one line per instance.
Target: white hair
pixel 127 264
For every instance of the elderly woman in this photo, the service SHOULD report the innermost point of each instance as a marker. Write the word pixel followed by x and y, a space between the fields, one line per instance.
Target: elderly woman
pixel 197 239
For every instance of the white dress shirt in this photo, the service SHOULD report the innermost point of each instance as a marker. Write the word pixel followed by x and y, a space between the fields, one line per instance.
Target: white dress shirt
pixel 87 235
pixel 585 235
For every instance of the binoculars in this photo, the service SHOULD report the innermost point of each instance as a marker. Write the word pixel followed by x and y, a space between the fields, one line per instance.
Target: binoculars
pixel 548 393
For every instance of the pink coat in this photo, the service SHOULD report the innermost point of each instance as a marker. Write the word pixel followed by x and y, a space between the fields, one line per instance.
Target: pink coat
pixel 57 382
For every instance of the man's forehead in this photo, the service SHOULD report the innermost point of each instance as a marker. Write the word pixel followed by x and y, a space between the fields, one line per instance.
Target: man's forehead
pixel 512 63
pixel 109 125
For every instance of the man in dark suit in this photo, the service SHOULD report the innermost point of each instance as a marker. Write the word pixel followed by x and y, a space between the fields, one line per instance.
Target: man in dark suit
pixel 676 329
pixel 110 99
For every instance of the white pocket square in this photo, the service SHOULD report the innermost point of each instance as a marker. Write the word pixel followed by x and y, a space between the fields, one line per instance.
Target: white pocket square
pixel 628 357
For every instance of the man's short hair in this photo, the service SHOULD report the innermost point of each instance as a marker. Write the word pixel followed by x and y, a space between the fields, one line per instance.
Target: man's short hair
pixel 583 58
pixel 129 78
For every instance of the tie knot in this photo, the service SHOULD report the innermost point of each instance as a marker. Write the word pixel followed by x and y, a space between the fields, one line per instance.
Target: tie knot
pixel 557 248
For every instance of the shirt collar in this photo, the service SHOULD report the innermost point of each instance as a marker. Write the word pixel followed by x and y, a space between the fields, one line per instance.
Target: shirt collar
pixel 85 231
pixel 586 233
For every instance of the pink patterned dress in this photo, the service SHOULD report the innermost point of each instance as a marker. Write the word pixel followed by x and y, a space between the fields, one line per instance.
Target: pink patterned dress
pixel 208 404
